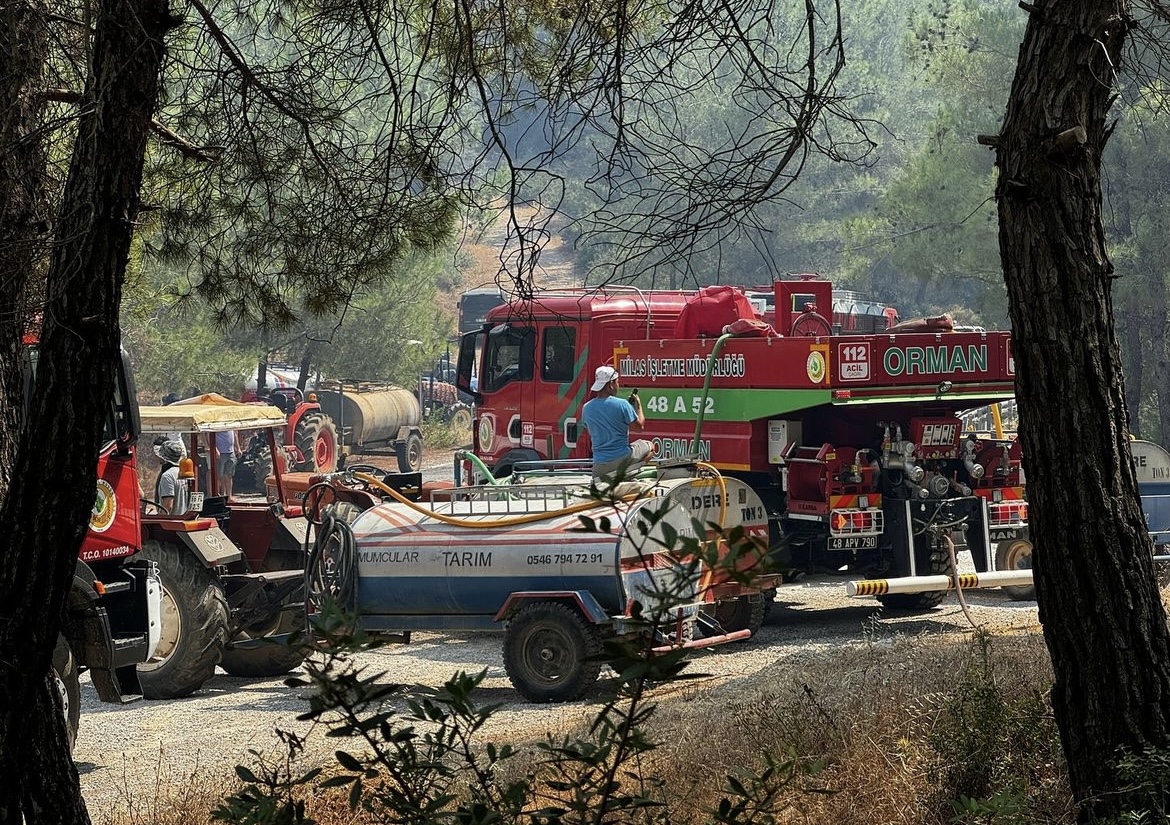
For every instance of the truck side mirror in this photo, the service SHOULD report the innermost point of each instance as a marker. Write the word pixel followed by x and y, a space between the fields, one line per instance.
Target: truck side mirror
pixel 465 371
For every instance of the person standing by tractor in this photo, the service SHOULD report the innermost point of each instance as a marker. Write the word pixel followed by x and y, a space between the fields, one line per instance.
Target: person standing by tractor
pixel 225 462
pixel 608 419
pixel 169 492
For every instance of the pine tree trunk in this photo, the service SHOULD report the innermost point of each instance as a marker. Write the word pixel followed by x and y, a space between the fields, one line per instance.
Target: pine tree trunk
pixel 43 517
pixel 1103 620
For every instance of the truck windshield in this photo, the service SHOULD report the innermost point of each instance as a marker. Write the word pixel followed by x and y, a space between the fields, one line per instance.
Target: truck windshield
pixel 508 356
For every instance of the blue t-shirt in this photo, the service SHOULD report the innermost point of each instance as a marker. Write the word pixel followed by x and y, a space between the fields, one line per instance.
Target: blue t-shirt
pixel 608 420
pixel 225 443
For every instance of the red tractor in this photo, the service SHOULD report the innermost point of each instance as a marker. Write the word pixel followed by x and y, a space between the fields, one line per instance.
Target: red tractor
pixel 310 436
pixel 231 567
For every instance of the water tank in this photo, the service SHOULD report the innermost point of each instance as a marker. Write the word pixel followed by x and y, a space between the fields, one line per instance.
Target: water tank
pixel 372 416
pixel 415 562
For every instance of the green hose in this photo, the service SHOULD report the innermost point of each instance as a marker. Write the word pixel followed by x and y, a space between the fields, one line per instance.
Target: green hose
pixel 479 465
pixel 707 387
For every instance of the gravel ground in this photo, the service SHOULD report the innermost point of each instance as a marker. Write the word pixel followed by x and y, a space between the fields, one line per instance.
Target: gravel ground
pixel 130 755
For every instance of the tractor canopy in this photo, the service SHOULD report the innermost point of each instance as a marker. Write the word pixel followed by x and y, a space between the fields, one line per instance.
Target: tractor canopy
pixel 210 413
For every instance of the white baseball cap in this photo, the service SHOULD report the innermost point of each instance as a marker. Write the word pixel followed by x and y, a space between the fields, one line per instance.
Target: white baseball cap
pixel 602 377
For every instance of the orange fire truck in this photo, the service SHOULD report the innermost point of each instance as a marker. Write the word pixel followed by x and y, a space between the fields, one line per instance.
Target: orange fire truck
pixel 845 422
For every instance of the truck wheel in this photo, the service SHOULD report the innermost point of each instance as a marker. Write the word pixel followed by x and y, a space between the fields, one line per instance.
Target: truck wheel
pixel 194 624
pixel 743 613
pixel 940 565
pixel 410 455
pixel 460 418
pixel 271 659
pixel 66 679
pixel 316 438
pixel 551 653
pixel 1016 554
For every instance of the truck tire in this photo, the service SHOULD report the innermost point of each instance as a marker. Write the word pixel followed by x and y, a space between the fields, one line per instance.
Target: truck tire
pixel 67 681
pixel 410 454
pixel 194 624
pixel 551 653
pixel 1016 554
pixel 272 659
pixel 316 438
pixel 743 613
pixel 940 565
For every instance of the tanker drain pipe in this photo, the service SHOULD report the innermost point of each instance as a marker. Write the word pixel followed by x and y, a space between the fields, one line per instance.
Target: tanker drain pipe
pixel 707 386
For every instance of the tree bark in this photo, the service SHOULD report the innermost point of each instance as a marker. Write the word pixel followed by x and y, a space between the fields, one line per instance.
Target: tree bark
pixel 43 518
pixel 24 211
pixel 1103 620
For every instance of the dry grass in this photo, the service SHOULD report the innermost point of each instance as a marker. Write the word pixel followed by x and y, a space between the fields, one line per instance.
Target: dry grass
pixel 901 725
pixel 878 719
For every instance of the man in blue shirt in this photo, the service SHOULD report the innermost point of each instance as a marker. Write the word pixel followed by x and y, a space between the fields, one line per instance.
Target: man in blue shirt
pixel 608 419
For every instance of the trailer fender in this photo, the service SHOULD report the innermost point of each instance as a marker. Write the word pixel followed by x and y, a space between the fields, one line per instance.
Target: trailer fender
pixel 212 546
pixel 581 600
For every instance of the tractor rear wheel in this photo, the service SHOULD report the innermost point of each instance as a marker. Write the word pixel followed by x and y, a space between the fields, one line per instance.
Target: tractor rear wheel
pixel 460 418
pixel 252 471
pixel 194 624
pixel 66 678
pixel 410 454
pixel 316 439
pixel 551 653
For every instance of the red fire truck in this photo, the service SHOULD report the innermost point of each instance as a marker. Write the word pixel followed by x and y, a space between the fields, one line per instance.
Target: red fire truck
pixel 113 613
pixel 846 427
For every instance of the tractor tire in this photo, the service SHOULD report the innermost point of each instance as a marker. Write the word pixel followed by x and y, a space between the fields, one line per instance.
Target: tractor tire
pixel 1016 554
pixel 316 438
pixel 744 613
pixel 940 565
pixel 272 659
pixel 67 680
pixel 551 653
pixel 410 454
pixel 252 472
pixel 194 624
pixel 459 417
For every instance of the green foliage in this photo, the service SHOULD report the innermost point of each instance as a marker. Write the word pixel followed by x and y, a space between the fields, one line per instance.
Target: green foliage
pixel 1144 779
pixel 414 757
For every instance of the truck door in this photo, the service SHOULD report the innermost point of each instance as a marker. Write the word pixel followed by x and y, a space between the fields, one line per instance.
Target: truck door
pixel 506 424
pixel 559 391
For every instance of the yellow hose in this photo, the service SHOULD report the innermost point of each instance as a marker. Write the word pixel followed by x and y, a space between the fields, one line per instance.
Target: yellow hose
pixel 511 521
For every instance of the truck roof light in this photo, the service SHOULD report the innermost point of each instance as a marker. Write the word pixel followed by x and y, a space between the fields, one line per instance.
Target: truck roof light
pixel 187 468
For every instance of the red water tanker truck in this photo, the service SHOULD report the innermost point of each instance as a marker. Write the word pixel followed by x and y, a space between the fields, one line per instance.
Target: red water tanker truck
pixel 849 433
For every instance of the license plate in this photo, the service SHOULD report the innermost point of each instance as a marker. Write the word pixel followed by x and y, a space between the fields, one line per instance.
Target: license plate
pixel 853 543
pixel 196 503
